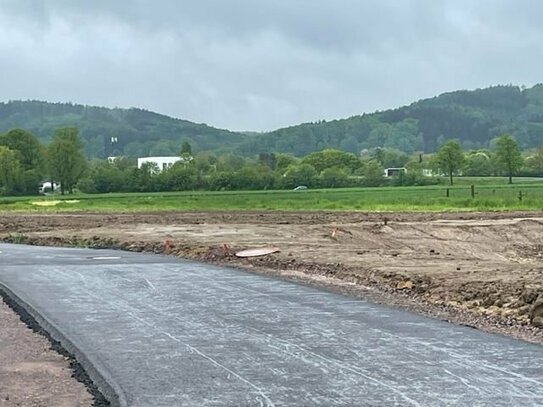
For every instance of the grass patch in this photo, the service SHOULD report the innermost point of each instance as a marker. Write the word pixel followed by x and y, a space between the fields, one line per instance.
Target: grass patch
pixel 489 197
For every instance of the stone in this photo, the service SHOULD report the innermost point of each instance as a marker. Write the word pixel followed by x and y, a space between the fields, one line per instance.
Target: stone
pixel 537 322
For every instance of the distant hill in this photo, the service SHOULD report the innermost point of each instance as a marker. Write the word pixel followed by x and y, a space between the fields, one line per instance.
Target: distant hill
pixel 138 132
pixel 473 117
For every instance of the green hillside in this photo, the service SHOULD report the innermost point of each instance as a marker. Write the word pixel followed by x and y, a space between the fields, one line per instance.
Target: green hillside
pixel 138 132
pixel 473 117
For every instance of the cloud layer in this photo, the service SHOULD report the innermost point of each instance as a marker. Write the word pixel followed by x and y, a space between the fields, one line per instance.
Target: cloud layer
pixel 263 64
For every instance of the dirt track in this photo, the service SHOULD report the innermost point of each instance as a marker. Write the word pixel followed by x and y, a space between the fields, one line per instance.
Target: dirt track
pixel 481 269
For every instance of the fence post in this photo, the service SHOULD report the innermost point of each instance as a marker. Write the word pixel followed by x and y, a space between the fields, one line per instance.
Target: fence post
pixel 447 192
pixel 473 191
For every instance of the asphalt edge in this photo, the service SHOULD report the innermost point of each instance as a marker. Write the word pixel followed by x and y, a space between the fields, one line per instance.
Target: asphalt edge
pixel 105 392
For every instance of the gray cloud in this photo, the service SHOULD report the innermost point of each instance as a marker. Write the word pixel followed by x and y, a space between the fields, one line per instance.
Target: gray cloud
pixel 262 64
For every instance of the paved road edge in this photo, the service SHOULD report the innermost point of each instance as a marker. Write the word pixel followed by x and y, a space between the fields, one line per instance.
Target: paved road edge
pixel 99 377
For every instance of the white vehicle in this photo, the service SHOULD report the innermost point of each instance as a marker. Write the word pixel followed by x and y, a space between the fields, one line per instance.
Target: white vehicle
pixel 46 188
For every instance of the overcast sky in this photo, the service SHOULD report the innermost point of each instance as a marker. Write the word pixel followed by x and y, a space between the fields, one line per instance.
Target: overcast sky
pixel 264 64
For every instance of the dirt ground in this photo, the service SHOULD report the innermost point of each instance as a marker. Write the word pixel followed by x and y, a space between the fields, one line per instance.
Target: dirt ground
pixel 31 373
pixel 480 269
pixel 483 270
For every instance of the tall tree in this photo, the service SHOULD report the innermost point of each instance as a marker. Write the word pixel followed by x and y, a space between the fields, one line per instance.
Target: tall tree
pixel 27 146
pixel 65 160
pixel 450 158
pixel 373 173
pixel 535 161
pixel 10 171
pixel 329 158
pixel 30 156
pixel 186 149
pixel 283 161
pixel 302 174
pixel 479 164
pixel 508 157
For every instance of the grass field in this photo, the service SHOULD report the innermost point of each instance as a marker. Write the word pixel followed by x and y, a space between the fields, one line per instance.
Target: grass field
pixel 489 197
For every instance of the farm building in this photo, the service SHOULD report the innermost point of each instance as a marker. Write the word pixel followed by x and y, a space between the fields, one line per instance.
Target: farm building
pixel 162 163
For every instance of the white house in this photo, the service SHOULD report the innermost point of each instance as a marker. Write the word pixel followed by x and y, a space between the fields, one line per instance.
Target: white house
pixel 162 163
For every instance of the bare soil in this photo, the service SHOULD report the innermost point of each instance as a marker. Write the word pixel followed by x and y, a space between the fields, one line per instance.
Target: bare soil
pixel 484 270
pixel 31 373
pixel 480 269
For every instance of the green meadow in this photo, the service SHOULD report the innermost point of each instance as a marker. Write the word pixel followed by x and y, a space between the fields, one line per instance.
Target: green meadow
pixel 490 195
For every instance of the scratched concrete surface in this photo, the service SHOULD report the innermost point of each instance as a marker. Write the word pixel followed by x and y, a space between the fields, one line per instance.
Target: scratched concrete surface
pixel 180 333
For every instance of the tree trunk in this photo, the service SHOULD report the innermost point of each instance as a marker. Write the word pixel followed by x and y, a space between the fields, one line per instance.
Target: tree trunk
pixel 451 177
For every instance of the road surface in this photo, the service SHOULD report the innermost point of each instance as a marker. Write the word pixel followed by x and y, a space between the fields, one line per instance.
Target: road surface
pixel 167 332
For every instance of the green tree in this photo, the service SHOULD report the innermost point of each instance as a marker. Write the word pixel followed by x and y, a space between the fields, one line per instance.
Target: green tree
pixel 66 162
pixel 230 162
pixel 205 162
pixel 10 171
pixel 179 177
pixel 450 158
pixel 30 155
pixel 478 164
pixel 107 177
pixel 283 161
pixel 303 174
pixel 330 158
pixel 508 157
pixel 161 148
pixel 26 145
pixel 142 179
pixel 186 149
pixel 333 178
pixel 373 173
pixel 535 161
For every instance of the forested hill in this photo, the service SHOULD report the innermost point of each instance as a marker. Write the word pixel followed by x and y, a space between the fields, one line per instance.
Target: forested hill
pixel 138 132
pixel 473 117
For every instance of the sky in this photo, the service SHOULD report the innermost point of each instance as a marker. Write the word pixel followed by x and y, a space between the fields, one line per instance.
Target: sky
pixel 264 64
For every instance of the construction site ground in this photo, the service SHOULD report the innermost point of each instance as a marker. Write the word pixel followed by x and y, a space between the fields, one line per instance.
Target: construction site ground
pixel 483 270
pixel 480 269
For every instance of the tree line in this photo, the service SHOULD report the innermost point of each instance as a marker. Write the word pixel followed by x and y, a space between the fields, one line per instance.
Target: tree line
pixel 474 118
pixel 25 163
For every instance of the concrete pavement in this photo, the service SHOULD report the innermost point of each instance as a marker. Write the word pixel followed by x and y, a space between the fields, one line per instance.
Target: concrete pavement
pixel 167 332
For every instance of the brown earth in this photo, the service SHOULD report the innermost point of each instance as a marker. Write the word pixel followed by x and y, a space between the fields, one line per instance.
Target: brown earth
pixel 31 373
pixel 480 269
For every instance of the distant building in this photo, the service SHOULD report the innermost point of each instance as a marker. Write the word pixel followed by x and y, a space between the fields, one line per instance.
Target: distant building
pixel 162 163
pixel 427 172
pixel 392 172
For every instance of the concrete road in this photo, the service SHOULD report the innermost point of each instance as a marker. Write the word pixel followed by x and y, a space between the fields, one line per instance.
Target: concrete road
pixel 165 332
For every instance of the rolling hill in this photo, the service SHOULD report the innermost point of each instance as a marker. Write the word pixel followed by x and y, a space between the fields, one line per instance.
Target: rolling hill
pixel 473 117
pixel 138 132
